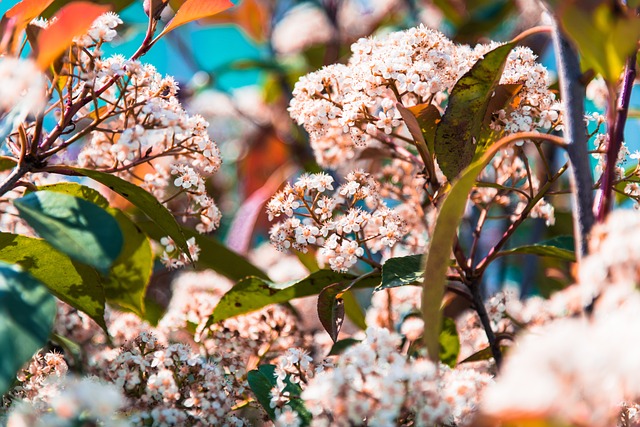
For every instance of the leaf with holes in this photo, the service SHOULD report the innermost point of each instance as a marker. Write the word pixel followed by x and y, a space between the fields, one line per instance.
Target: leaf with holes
pixel 193 10
pixel 458 135
pixel 252 293
pixel 80 229
pixel 74 283
pixel 27 312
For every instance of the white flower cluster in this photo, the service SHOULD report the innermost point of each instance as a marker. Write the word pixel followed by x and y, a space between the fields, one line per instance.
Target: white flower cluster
pixel 576 371
pixel 372 381
pixel 411 67
pixel 145 134
pixel 338 224
pixel 172 258
pixel 68 401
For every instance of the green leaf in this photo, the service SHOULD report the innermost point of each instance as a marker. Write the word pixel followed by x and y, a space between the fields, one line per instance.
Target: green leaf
pixel 72 282
pixel 340 346
pixel 7 163
pixel 331 309
pixel 604 37
pixel 353 310
pixel 78 228
pixel 130 273
pixel 459 133
pixel 27 312
pixel 562 247
pixel 213 254
pixel 261 381
pixel 401 271
pixel 437 258
pixel 449 343
pixel 253 293
pixel 144 201
pixel 129 276
pixel 76 190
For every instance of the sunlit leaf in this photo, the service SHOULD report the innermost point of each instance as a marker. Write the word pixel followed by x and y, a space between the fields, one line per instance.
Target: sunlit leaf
pixel 213 254
pixel 7 163
pixel 27 10
pixel 76 190
pixel 401 271
pixel 72 282
pixel 422 123
pixel 458 135
pixel 193 10
pixel 73 20
pixel 449 343
pixel 27 312
pixel 604 37
pixel 251 16
pixel 353 310
pixel 437 257
pixel 129 276
pixel 562 247
pixel 115 5
pixel 252 293
pixel 144 201
pixel 80 229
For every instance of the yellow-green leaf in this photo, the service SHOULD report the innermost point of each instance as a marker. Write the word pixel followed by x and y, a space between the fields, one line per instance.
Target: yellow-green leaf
pixel 604 37
pixel 437 257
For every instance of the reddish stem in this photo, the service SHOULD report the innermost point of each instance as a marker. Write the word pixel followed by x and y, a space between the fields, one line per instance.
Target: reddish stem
pixel 616 120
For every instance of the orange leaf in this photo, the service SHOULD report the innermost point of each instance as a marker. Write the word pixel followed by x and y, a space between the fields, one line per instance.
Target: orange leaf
pixel 27 10
pixel 17 19
pixel 193 10
pixel 73 20
pixel 249 15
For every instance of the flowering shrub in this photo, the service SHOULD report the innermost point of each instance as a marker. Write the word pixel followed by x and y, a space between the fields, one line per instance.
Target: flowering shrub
pixel 396 184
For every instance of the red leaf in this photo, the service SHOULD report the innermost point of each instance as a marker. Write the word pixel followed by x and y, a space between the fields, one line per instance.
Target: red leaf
pixel 193 10
pixel 72 20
